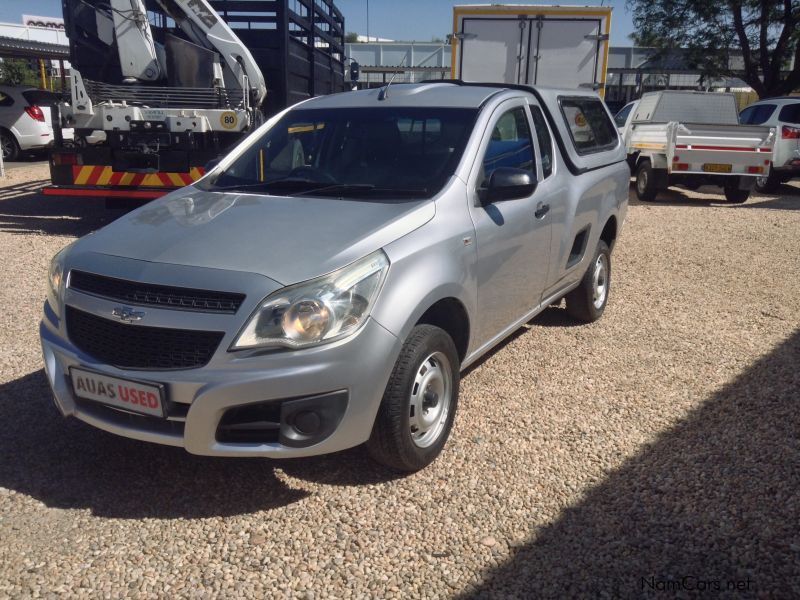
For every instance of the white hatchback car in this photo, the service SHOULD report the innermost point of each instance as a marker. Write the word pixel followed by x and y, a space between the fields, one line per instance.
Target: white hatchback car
pixel 24 120
pixel 784 115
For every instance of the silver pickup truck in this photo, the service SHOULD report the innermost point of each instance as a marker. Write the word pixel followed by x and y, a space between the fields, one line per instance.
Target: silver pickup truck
pixel 326 283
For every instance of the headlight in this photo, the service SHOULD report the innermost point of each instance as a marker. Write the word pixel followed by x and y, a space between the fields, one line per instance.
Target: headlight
pixel 319 310
pixel 55 277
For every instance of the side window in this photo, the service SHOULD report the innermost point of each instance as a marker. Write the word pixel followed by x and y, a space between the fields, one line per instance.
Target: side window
pixel 622 115
pixel 790 114
pixel 756 114
pixel 511 145
pixel 589 125
pixel 6 100
pixel 545 142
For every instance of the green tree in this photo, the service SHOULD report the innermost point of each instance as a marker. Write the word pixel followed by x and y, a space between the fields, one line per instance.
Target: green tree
pixel 351 37
pixel 16 71
pixel 756 40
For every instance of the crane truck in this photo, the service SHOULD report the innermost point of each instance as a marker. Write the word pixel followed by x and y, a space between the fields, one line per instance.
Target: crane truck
pixel 173 83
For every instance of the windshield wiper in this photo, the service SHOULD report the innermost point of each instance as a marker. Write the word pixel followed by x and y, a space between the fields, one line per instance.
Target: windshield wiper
pixel 267 183
pixel 360 189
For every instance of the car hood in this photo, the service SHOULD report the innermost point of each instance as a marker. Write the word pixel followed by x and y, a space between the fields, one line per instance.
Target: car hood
pixel 287 239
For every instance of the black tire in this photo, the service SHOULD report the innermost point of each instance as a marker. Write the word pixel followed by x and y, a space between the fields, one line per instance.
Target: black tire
pixel 733 194
pixel 768 184
pixel 9 145
pixel 581 301
pixel 391 442
pixel 646 189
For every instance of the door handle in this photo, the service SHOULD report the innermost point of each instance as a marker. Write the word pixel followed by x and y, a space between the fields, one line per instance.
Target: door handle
pixel 541 210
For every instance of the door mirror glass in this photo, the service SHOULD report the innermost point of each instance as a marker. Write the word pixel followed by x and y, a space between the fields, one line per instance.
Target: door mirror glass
pixel 508 183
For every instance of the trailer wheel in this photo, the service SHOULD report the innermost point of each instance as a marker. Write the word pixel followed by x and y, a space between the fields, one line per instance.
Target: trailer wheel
pixel 733 193
pixel 9 145
pixel 646 189
pixel 768 184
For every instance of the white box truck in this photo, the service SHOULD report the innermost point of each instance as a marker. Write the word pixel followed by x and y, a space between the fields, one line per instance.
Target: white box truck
pixel 563 46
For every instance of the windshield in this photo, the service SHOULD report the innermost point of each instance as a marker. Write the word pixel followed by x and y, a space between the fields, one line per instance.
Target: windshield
pixel 357 152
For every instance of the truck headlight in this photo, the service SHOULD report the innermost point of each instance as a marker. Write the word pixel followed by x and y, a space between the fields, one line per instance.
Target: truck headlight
pixel 55 277
pixel 320 310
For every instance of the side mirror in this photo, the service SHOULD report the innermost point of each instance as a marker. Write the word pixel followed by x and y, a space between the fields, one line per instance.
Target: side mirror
pixel 507 183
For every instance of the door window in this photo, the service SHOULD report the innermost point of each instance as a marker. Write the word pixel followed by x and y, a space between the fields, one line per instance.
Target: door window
pixel 6 100
pixel 511 145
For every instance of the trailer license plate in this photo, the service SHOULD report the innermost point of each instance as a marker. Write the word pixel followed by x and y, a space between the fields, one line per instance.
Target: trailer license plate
pixel 716 168
pixel 135 396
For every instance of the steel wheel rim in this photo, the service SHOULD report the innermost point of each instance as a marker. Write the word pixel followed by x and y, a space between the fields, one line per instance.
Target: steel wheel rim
pixel 641 181
pixel 431 397
pixel 600 281
pixel 761 181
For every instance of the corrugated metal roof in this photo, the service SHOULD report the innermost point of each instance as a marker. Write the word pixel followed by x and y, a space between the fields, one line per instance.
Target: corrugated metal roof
pixel 17 48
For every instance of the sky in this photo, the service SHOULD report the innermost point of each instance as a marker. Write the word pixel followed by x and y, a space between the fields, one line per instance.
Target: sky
pixel 418 20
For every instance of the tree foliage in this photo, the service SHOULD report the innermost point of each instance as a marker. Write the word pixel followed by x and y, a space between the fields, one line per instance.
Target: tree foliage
pixel 17 71
pixel 757 40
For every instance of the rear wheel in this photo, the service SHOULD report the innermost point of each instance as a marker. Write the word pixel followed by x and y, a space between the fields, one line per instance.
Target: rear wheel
pixel 587 302
pixel 646 189
pixel 419 404
pixel 734 194
pixel 9 145
pixel 769 183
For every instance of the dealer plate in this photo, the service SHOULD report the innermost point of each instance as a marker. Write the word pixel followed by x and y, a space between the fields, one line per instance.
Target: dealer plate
pixel 135 396
pixel 717 168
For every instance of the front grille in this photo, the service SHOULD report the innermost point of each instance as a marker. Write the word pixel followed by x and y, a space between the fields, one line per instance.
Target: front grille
pixel 140 347
pixel 149 294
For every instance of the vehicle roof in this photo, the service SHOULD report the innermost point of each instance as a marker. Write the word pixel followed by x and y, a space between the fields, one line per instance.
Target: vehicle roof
pixel 404 94
pixel 17 89
pixel 447 94
pixel 776 100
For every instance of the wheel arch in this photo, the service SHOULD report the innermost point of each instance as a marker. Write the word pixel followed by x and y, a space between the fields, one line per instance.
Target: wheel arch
pixel 451 315
pixel 609 232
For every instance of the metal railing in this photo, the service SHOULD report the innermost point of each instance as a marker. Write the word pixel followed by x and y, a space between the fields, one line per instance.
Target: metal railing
pixel 165 97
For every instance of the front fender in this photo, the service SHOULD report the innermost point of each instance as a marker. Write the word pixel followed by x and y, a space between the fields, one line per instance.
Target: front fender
pixel 434 262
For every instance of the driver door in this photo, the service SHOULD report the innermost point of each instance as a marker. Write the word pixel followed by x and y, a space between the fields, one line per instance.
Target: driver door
pixel 513 236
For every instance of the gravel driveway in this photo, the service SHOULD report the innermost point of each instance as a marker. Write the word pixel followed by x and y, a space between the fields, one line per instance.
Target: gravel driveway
pixel 656 452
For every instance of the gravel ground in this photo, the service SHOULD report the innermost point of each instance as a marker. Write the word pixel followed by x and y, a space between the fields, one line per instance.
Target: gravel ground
pixel 655 452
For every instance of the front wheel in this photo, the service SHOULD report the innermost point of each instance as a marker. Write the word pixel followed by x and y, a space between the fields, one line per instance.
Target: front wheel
pixel 419 404
pixel 587 302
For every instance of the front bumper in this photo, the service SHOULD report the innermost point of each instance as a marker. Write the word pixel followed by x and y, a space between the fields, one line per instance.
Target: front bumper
pixel 358 366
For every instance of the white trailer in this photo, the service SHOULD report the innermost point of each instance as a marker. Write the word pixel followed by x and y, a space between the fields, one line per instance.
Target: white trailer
pixel 693 139
pixel 563 46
